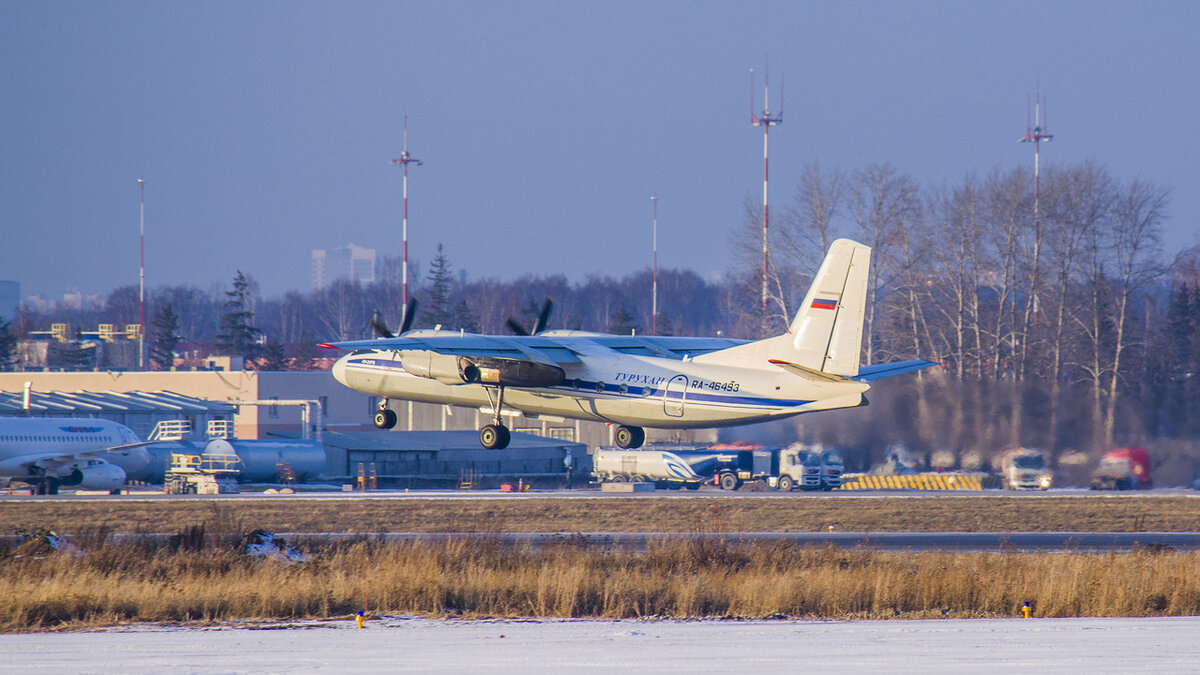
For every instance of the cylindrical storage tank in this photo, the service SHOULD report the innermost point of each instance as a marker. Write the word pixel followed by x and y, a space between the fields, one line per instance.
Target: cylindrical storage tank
pixel 265 461
pixel 160 459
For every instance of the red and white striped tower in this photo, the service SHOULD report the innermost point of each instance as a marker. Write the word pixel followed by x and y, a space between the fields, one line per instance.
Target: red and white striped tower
pixel 654 287
pixel 142 278
pixel 404 160
pixel 766 121
pixel 1036 134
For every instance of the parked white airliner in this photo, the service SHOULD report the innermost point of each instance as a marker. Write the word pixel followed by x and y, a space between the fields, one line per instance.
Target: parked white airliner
pixel 638 381
pixel 51 451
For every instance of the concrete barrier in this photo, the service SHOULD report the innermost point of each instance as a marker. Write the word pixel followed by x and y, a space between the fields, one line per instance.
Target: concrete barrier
pixel 920 481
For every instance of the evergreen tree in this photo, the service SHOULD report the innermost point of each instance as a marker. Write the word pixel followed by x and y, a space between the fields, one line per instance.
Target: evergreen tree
pixel 239 336
pixel 270 357
pixel 306 354
pixel 436 301
pixel 622 322
pixel 8 345
pixel 464 318
pixel 164 335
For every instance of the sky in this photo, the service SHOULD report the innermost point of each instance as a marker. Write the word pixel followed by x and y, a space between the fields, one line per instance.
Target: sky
pixel 264 130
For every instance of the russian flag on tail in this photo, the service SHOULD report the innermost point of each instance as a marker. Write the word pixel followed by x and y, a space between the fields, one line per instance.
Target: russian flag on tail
pixel 823 303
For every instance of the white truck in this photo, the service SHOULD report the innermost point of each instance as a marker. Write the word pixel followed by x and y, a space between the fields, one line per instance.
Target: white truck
pixel 1024 469
pixel 729 466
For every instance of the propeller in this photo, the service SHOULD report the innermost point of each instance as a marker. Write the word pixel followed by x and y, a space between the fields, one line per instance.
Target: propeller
pixel 540 325
pixel 410 313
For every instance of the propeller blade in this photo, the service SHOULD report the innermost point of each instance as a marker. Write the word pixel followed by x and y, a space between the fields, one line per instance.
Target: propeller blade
pixel 410 313
pixel 515 327
pixel 380 329
pixel 544 318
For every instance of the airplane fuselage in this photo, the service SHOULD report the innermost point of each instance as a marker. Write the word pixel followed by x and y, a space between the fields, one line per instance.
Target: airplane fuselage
pixel 604 386
pixel 72 450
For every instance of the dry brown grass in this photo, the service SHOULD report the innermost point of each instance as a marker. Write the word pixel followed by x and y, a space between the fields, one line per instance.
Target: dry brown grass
pixel 793 513
pixel 678 578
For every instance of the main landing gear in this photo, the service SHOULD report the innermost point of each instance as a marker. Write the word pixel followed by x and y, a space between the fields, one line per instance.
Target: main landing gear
pixel 385 418
pixel 630 437
pixel 495 436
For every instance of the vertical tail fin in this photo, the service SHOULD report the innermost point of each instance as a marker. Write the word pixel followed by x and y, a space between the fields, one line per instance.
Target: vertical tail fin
pixel 826 334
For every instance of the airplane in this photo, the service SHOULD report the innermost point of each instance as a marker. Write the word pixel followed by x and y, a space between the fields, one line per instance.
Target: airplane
pixel 48 452
pixel 630 380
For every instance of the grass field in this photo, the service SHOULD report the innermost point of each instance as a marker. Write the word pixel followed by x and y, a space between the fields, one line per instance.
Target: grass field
pixel 807 513
pixel 478 576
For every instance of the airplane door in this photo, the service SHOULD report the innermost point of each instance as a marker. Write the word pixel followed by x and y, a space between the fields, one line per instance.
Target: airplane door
pixel 674 396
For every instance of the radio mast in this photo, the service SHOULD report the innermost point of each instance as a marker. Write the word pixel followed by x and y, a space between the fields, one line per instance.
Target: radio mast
pixel 404 160
pixel 766 121
pixel 1035 133
pixel 654 287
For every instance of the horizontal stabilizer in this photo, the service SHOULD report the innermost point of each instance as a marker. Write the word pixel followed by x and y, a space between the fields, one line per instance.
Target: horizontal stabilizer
pixel 878 371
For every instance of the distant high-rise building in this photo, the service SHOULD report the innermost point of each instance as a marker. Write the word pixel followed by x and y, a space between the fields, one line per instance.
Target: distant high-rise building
pixel 10 300
pixel 349 262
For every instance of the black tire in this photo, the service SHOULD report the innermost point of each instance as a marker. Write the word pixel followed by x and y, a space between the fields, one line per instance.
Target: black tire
pixel 692 486
pixel 385 419
pixel 619 478
pixel 494 437
pixel 628 438
pixel 729 481
pixel 786 483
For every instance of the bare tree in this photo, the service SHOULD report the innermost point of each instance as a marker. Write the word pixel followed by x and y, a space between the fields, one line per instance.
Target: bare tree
pixel 883 202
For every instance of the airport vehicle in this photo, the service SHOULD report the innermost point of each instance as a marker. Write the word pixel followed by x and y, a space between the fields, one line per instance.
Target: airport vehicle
pixel 664 469
pixel 1123 469
pixel 729 466
pixel 48 452
pixel 635 381
pixel 831 469
pixel 214 474
pixel 1024 469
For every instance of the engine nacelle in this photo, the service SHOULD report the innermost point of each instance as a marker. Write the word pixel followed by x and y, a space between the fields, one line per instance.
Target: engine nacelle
pixel 96 476
pixel 444 368
pixel 513 373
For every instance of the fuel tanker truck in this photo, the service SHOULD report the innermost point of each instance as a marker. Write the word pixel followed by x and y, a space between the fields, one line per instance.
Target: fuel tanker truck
pixel 1123 469
pixel 729 466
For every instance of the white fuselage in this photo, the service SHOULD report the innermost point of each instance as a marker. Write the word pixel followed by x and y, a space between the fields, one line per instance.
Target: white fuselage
pixel 59 446
pixel 607 386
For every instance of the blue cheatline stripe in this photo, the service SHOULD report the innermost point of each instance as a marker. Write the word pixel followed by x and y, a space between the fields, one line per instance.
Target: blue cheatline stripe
pixel 589 387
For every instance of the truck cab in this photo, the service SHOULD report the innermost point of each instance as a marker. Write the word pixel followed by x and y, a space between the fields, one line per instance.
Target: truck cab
pixel 1025 469
pixel 799 467
pixel 831 469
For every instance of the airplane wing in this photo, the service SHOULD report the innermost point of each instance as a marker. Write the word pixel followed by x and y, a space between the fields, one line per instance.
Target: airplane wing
pixel 546 349
pixel 878 371
pixel 11 464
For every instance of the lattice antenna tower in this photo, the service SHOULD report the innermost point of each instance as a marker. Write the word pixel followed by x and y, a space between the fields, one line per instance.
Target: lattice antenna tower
pixel 765 120
pixel 404 160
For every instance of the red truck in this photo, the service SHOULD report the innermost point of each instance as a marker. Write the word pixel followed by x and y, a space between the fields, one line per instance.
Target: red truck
pixel 1123 469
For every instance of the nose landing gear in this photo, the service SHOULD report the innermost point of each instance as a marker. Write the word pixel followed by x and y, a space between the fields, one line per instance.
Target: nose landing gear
pixel 385 418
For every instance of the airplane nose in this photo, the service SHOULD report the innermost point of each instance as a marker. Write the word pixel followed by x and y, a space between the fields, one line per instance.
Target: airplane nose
pixel 339 369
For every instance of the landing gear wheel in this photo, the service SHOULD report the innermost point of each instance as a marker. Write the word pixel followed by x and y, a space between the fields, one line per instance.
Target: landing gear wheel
pixel 630 437
pixel 385 419
pixel 494 437
pixel 785 483
pixel 730 481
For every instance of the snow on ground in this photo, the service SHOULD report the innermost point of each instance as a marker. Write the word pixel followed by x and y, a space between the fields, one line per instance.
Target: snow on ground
pixel 399 644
